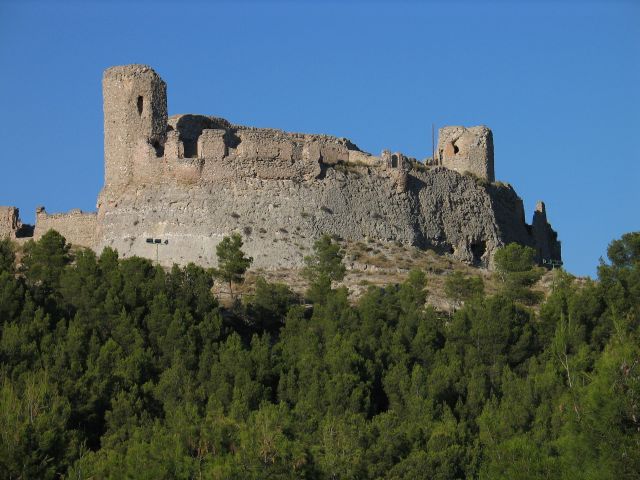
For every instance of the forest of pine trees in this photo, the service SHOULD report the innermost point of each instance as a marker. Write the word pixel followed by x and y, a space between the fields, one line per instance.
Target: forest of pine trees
pixel 117 368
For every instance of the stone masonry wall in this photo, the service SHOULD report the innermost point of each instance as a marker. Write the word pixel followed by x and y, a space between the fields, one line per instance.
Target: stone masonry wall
pixel 77 227
pixel 190 180
pixel 143 145
pixel 193 179
pixel 135 119
pixel 467 150
pixel 280 219
pixel 9 222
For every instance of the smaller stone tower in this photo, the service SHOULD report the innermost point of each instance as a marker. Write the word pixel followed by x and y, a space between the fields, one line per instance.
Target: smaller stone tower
pixel 467 150
pixel 135 120
pixel 546 239
pixel 9 222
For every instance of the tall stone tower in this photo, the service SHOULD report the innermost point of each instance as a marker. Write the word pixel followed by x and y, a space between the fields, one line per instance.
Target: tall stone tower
pixel 135 120
pixel 467 150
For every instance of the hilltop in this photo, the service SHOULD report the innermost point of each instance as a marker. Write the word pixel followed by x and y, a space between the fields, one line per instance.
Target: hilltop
pixel 175 186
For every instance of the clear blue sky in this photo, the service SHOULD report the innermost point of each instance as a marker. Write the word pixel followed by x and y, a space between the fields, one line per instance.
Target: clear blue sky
pixel 558 82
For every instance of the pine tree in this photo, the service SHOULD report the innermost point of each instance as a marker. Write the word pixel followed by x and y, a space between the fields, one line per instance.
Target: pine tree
pixel 232 262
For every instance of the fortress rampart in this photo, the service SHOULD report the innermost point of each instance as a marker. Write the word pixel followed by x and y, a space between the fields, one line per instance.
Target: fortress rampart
pixel 143 145
pixel 78 227
pixel 192 179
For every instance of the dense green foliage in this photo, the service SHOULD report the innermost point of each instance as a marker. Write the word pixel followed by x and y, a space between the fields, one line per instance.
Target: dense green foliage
pixel 515 266
pixel 232 262
pixel 115 368
pixel 323 268
pixel 461 288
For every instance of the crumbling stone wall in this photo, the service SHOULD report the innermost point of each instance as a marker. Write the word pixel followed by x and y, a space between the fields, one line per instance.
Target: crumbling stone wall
pixel 77 227
pixel 9 222
pixel 357 157
pixel 192 179
pixel 467 150
pixel 143 146
pixel 135 119
pixel 280 219
pixel 546 239
pixel 231 151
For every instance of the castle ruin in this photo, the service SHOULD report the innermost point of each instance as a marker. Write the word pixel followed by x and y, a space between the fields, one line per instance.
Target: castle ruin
pixel 192 179
pixel 467 150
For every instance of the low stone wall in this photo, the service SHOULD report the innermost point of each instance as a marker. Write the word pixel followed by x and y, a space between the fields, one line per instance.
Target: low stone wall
pixel 9 222
pixel 78 227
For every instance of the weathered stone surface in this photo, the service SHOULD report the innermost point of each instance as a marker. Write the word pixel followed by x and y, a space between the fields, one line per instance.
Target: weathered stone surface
pixel 135 119
pixel 545 238
pixel 279 219
pixel 9 222
pixel 282 190
pixel 192 179
pixel 78 227
pixel 467 150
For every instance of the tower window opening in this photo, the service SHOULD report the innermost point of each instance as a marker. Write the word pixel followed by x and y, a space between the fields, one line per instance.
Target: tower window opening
pixel 190 147
pixel 140 105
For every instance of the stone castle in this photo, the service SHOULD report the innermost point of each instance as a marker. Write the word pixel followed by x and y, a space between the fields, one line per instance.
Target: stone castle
pixel 186 181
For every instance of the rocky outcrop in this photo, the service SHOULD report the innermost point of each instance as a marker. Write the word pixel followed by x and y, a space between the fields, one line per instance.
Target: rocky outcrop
pixel 279 219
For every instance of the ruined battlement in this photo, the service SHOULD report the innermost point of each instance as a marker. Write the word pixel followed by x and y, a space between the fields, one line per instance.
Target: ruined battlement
pixel 191 180
pixel 78 227
pixel 467 150
pixel 143 145
pixel 135 114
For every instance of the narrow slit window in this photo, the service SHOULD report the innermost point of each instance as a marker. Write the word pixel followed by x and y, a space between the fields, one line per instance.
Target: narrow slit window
pixel 140 105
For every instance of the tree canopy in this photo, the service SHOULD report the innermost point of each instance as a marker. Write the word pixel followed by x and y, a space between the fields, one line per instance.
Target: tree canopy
pixel 323 267
pixel 516 267
pixel 118 368
pixel 232 262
